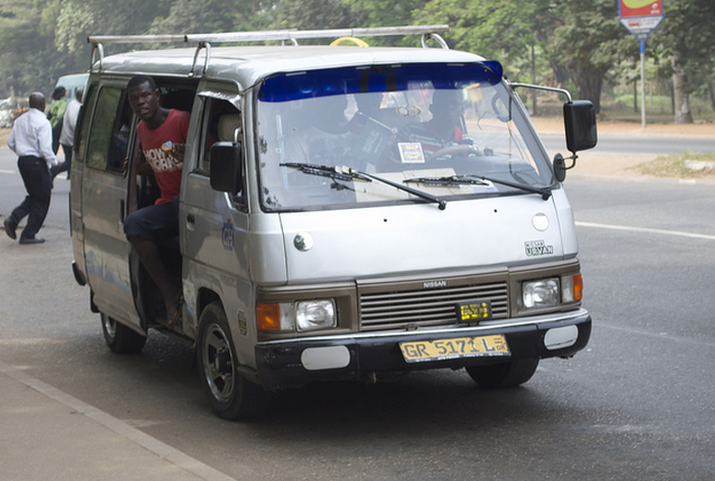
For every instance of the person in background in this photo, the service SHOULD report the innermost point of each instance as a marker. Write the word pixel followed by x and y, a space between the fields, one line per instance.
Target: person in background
pixel 56 114
pixel 31 140
pixel 69 122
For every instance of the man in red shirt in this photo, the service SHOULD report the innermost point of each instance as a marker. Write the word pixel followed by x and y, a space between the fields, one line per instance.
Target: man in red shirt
pixel 162 135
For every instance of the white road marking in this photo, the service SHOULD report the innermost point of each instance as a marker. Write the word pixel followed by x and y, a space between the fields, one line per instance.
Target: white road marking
pixel 646 230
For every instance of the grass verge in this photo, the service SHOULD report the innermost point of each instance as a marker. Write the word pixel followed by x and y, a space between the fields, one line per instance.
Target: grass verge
pixel 688 165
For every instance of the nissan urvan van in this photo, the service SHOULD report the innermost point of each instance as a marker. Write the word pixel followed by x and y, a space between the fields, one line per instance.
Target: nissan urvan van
pixel 345 213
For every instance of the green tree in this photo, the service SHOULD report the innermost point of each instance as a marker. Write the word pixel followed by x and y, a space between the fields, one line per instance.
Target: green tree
pixel 587 40
pixel 579 40
pixel 209 16
pixel 688 35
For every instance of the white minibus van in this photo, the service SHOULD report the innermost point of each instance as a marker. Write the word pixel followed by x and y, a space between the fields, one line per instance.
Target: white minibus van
pixel 345 213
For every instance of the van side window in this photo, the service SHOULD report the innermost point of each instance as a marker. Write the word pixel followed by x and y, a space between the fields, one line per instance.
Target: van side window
pixel 85 121
pixel 221 123
pixel 107 144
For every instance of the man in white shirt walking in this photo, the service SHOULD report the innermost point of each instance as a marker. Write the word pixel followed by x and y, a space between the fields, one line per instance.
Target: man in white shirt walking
pixel 69 123
pixel 31 140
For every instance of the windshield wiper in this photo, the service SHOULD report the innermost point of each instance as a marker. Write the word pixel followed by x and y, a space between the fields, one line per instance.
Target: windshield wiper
pixel 340 173
pixel 480 180
pixel 347 174
pixel 449 180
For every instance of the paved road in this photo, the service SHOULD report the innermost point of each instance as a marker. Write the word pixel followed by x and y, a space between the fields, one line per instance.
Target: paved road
pixel 639 144
pixel 636 405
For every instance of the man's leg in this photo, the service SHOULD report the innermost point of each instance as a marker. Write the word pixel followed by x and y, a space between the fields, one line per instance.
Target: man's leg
pixel 67 149
pixel 143 227
pixel 65 166
pixel 19 213
pixel 39 189
pixel 150 257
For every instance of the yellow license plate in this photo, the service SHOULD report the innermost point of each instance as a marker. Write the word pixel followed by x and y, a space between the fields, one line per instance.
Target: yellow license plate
pixel 479 346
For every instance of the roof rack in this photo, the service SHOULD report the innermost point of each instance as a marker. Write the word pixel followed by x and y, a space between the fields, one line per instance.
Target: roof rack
pixel 204 40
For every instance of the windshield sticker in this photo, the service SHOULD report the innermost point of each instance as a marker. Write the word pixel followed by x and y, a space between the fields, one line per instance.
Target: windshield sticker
pixel 227 235
pixel 411 152
pixel 538 248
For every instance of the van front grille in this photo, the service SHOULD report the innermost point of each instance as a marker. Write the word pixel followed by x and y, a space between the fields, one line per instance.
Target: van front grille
pixel 428 307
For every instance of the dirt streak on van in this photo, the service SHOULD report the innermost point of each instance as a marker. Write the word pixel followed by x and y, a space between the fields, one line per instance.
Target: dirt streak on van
pixel 346 213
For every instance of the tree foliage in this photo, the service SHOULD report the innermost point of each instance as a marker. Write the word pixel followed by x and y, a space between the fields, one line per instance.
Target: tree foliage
pixel 546 41
pixel 688 37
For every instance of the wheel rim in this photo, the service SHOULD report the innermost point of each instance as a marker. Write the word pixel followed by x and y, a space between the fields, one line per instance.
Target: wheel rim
pixel 110 326
pixel 217 360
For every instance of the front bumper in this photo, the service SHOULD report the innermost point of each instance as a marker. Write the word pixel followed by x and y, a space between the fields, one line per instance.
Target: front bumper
pixel 296 362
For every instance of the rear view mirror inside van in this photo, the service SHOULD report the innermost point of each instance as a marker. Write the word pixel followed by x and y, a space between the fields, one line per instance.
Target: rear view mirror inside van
pixel 225 170
pixel 580 125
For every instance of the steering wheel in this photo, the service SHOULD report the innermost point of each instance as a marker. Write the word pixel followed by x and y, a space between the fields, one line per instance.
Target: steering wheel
pixel 461 149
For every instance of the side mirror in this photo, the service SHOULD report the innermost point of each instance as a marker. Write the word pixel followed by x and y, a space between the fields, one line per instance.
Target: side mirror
pixel 580 125
pixel 559 167
pixel 225 171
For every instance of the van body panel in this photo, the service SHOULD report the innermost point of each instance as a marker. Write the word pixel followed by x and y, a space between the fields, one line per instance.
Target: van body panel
pixel 567 224
pixel 419 238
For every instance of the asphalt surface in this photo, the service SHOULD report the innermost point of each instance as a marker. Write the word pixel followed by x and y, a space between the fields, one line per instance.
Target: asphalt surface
pixel 49 434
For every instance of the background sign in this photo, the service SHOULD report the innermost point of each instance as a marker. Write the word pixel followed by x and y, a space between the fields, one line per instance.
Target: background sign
pixel 641 17
pixel 641 8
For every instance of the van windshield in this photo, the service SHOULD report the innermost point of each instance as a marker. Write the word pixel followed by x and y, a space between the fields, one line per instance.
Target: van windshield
pixel 350 137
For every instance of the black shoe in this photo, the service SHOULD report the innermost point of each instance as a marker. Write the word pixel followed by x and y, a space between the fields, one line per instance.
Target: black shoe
pixel 33 240
pixel 9 230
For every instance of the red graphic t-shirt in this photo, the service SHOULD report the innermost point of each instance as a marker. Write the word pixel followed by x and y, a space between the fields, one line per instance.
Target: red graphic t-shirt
pixel 167 169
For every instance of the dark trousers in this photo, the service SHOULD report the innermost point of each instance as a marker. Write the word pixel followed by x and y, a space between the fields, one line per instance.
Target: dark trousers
pixel 56 132
pixel 38 184
pixel 64 167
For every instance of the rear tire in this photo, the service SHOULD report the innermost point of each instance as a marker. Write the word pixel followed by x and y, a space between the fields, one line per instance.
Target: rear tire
pixel 120 338
pixel 503 375
pixel 230 394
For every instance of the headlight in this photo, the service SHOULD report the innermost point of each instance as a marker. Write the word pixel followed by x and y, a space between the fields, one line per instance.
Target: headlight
pixel 301 315
pixel 541 293
pixel 319 314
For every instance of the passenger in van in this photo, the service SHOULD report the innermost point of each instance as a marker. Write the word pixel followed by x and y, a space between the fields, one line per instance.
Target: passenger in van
pixel 161 133
pixel 325 139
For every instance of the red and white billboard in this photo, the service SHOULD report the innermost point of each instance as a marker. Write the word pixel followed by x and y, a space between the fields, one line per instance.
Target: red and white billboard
pixel 641 8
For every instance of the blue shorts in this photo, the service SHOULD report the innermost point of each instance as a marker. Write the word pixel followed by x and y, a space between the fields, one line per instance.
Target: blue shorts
pixel 156 223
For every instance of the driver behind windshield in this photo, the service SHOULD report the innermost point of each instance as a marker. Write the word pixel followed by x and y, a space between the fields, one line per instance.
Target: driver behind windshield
pixel 416 142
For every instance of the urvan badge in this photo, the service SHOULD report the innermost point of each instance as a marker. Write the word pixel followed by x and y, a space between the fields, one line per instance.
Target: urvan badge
pixel 537 248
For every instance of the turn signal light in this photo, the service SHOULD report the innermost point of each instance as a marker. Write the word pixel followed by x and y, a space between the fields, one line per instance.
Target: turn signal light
pixel 268 317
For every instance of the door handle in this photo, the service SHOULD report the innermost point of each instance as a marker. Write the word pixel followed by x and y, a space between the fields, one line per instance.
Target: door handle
pixel 190 222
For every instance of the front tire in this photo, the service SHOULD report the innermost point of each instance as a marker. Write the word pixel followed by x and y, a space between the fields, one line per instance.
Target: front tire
pixel 120 338
pixel 230 394
pixel 505 374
